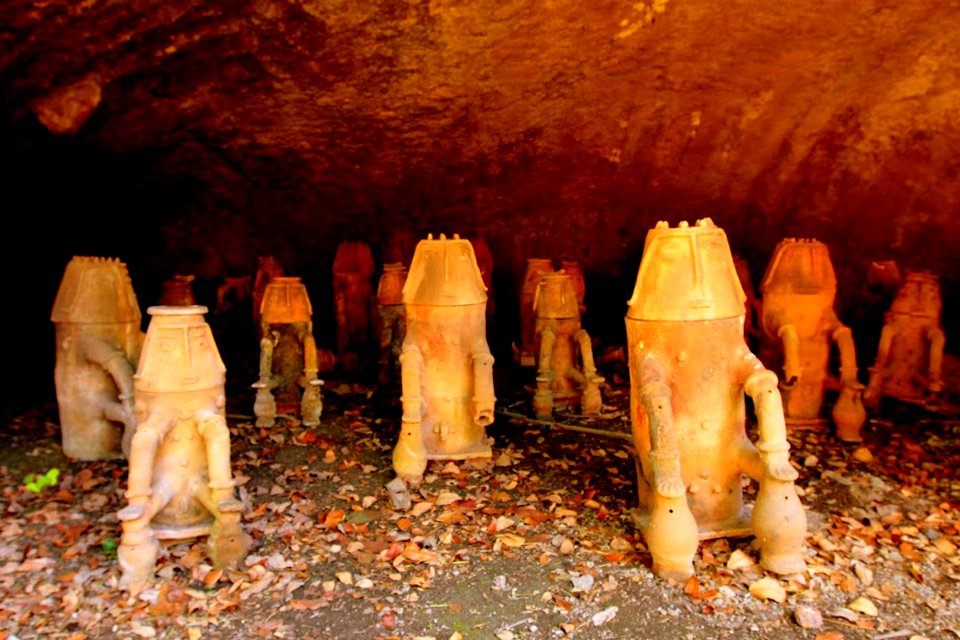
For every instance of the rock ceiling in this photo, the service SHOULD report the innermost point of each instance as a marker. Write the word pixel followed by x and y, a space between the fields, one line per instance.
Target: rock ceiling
pixel 558 127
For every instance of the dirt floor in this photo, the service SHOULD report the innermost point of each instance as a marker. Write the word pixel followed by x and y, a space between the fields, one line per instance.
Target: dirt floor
pixel 537 542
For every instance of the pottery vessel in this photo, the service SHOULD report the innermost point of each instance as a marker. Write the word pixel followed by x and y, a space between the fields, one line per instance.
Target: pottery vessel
pixel 536 269
pixel 910 354
pixel 485 263
pixel 689 370
pixel 566 373
pixel 180 483
pixel 573 269
pixel 798 327
pixel 268 268
pixel 288 355
pixel 97 323
pixel 353 268
pixel 178 291
pixel 393 321
pixel 446 365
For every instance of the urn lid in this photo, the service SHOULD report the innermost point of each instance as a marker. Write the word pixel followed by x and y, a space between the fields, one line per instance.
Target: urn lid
pixel 686 273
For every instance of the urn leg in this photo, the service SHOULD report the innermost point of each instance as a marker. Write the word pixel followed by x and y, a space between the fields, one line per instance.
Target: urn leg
pixel 780 525
pixel 137 556
pixel 672 536
pixel 227 543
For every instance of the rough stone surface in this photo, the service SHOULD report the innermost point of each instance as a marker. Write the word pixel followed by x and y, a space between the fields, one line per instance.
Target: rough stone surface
pixel 196 135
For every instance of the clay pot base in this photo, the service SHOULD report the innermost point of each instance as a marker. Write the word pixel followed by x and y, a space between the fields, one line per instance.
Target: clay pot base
pixel 811 424
pixel 179 533
pixel 737 527
pixel 480 451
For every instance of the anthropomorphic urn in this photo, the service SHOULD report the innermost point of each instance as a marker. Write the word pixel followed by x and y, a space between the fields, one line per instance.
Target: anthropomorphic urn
pixel 393 321
pixel 97 322
pixel 288 355
pixel 535 270
pixel 353 267
pixel 689 371
pixel 910 354
pixel 180 484
pixel 446 365
pixel 566 373
pixel 798 326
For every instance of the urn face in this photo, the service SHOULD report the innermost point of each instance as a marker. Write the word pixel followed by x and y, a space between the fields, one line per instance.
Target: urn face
pixel 686 273
pixel 919 296
pixel 179 353
pixel 800 266
pixel 285 301
pixel 444 272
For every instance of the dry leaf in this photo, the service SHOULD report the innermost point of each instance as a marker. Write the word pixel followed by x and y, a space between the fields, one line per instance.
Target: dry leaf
pixel 768 588
pixel 829 635
pixel 740 560
pixel 566 547
pixel 447 497
pixel 421 508
pixel 512 540
pixel 864 606
pixel 502 523
pixel 345 577
pixel 808 617
pixel 945 547
pixel 862 454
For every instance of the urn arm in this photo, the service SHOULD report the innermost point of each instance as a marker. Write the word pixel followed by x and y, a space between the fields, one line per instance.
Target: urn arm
pixel 656 398
pixel 843 337
pixel 548 338
pixel 938 340
pixel 310 367
pixel 761 386
pixel 411 372
pixel 143 452
pixel 112 360
pixel 212 427
pixel 586 355
pixel 267 345
pixel 483 396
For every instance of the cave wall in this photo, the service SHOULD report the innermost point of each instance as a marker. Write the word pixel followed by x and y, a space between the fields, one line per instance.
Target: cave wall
pixel 193 136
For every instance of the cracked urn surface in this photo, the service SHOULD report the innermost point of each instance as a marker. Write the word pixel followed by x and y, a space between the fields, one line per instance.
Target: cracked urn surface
pixel 689 369
pixel 798 324
pixel 910 353
pixel 97 324
pixel 353 267
pixel 178 291
pixel 446 365
pixel 180 482
pixel 566 374
pixel 393 320
pixel 288 354
pixel 535 270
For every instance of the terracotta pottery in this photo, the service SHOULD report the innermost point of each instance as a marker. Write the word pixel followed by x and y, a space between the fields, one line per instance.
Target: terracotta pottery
pixel 178 291
pixel 566 374
pixel 268 268
pixel 910 353
pixel 799 324
pixel 288 355
pixel 180 482
pixel 689 369
pixel 446 365
pixel 536 268
pixel 393 321
pixel 353 267
pixel 97 321
pixel 751 326
pixel 485 263
pixel 572 269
